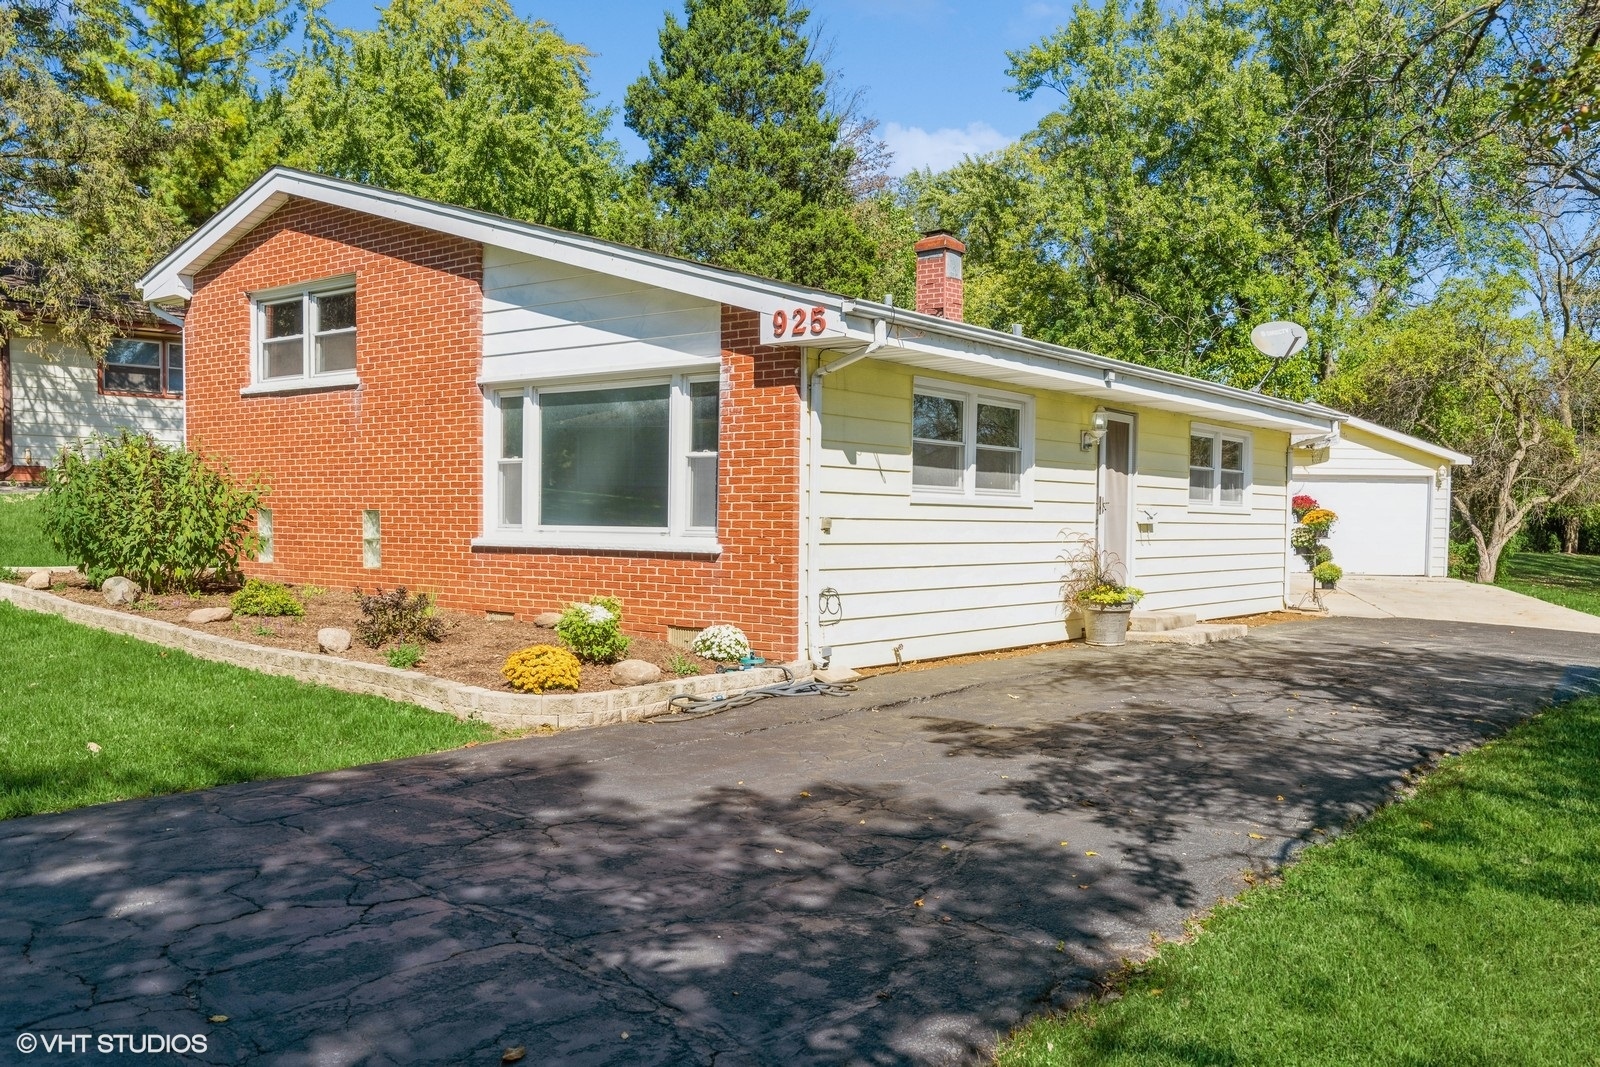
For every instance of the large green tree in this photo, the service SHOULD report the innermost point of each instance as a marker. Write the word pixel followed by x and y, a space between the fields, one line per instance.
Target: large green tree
pixel 461 101
pixel 79 218
pixel 747 167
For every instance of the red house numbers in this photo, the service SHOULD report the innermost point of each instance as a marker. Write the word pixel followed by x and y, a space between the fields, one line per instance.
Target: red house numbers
pixel 800 322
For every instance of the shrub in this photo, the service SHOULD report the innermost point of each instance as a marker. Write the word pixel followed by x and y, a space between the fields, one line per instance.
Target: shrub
pixel 594 630
pixel 397 616
pixel 265 598
pixel 1327 572
pixel 539 667
pixel 9 575
pixel 164 517
pixel 405 657
pixel 683 666
pixel 723 643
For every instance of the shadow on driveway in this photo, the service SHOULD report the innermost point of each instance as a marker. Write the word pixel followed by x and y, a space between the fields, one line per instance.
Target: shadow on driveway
pixel 895 877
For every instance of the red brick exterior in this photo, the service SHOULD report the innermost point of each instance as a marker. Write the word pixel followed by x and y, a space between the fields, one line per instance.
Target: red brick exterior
pixel 937 292
pixel 409 442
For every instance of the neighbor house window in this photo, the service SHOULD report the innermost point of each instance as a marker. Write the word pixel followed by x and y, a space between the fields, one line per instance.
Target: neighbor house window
pixel 307 335
pixel 1218 467
pixel 143 367
pixel 635 456
pixel 968 443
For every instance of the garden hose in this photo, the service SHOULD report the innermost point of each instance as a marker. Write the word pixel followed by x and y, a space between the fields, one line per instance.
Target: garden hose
pixel 686 708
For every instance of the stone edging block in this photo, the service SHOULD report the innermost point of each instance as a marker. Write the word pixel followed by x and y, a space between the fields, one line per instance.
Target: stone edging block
pixel 507 711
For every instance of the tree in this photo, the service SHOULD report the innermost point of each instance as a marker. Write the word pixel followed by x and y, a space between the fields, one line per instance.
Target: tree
pixel 747 166
pixel 194 64
pixel 79 221
pixel 460 101
pixel 1468 371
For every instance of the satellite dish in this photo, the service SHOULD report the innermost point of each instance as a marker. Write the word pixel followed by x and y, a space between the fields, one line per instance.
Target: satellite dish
pixel 1278 340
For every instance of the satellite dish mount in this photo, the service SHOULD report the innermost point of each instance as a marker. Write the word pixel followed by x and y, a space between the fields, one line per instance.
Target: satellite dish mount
pixel 1277 341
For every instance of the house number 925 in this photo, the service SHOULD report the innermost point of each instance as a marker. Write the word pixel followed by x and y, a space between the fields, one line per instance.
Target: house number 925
pixel 799 322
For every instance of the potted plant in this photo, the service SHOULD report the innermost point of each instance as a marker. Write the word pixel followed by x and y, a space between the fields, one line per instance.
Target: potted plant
pixel 1327 574
pixel 1095 588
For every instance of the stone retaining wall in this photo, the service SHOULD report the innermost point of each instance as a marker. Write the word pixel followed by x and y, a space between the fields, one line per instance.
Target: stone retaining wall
pixel 508 711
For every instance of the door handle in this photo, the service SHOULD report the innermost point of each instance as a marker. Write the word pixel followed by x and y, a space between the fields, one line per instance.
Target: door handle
pixel 1103 507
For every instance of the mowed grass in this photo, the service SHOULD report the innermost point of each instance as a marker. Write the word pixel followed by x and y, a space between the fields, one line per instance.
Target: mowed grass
pixel 1460 926
pixel 22 542
pixel 166 721
pixel 1571 581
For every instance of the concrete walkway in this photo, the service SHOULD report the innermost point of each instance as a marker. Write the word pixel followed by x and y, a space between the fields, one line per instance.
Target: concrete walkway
pixel 897 876
pixel 1447 600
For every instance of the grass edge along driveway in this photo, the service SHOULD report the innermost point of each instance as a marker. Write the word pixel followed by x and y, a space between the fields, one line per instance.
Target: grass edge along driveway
pixel 1461 926
pixel 167 722
pixel 1570 581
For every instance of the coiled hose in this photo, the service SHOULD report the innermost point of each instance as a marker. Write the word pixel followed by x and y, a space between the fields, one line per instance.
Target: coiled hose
pixel 686 708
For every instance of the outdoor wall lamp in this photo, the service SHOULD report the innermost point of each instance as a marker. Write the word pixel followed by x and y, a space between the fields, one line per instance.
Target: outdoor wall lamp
pixel 1097 430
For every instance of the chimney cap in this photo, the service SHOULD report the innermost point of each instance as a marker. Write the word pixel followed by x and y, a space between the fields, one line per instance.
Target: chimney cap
pixel 940 241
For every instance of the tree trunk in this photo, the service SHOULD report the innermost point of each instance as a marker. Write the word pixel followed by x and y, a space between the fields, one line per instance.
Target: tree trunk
pixel 1570 525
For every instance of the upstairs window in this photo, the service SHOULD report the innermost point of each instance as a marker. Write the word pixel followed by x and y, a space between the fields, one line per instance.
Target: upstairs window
pixel 307 336
pixel 1218 468
pixel 143 367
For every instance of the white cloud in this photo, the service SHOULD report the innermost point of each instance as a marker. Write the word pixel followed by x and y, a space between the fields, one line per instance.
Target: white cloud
pixel 915 148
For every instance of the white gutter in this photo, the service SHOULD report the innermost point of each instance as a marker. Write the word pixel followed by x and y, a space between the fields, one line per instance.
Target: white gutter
pixel 813 539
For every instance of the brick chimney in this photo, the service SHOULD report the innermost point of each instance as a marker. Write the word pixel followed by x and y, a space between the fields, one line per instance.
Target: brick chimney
pixel 939 290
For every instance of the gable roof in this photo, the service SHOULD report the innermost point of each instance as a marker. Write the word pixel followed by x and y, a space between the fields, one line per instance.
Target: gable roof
pixel 1450 456
pixel 896 334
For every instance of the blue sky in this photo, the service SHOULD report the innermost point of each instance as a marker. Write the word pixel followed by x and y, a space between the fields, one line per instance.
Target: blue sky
pixel 932 72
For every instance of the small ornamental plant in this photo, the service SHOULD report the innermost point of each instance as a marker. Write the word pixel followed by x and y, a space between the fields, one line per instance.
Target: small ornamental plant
pixel 404 657
pixel 723 643
pixel 1109 596
pixel 539 667
pixel 1301 505
pixel 265 598
pixel 594 630
pixel 1327 573
pixel 1094 578
pixel 398 616
pixel 1319 521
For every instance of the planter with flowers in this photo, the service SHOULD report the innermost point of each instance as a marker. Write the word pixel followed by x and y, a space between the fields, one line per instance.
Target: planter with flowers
pixel 1313 524
pixel 1095 588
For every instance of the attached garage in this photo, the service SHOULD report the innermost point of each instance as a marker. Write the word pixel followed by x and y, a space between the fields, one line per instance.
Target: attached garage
pixel 1391 492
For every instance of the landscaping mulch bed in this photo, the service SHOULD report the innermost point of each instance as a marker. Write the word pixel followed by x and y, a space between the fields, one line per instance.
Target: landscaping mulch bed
pixel 473 650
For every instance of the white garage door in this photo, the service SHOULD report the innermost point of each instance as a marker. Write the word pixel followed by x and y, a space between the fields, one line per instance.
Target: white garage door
pixel 1383 523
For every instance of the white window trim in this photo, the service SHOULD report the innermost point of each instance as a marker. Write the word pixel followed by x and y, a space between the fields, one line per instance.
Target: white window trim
pixel 308 380
pixel 1215 506
pixel 677 537
pixel 969 493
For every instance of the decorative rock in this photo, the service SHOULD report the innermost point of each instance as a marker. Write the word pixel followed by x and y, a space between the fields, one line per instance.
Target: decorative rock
pixel 835 675
pixel 222 614
pixel 333 639
pixel 548 619
pixel 635 672
pixel 39 580
pixel 119 591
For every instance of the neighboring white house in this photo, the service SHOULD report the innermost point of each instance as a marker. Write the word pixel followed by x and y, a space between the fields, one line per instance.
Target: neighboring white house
pixel 1391 492
pixel 56 394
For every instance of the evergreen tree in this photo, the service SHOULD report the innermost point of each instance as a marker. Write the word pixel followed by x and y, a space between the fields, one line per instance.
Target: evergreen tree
pixel 747 168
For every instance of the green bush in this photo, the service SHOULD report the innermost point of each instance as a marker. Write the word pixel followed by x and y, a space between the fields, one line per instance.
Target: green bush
pixel 539 667
pixel 265 598
pixel 594 630
pixel 398 616
pixel 164 517
pixel 405 657
pixel 1328 573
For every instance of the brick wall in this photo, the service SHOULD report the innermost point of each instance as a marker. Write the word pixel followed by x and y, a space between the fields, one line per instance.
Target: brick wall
pixel 408 442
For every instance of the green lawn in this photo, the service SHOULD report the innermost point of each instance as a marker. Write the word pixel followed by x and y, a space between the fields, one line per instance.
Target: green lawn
pixel 1461 926
pixel 167 722
pixel 22 543
pixel 1571 581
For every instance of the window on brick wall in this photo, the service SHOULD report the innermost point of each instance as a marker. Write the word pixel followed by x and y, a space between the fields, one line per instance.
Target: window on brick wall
pixel 143 366
pixel 635 457
pixel 306 336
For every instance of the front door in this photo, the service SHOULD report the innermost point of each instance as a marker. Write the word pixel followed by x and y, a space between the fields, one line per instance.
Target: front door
pixel 1114 523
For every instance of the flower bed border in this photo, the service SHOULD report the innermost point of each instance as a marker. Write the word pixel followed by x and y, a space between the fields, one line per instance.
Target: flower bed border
pixel 507 711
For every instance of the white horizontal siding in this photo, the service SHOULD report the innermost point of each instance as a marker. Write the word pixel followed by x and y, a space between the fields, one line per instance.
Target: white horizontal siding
pixel 941 579
pixel 544 320
pixel 56 401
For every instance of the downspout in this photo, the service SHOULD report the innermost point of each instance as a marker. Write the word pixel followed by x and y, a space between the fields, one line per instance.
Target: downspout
pixel 177 320
pixel 1288 522
pixel 880 337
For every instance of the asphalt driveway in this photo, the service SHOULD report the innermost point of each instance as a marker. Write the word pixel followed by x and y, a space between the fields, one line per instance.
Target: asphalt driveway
pixel 893 877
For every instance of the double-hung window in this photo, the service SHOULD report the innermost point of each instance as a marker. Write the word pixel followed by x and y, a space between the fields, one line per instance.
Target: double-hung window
pixel 306 337
pixel 632 461
pixel 143 367
pixel 1219 465
pixel 969 444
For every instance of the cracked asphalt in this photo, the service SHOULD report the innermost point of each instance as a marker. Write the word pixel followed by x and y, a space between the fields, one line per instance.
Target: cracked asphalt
pixel 896 876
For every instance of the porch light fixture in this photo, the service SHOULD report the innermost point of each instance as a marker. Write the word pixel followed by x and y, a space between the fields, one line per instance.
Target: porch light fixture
pixel 1097 430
